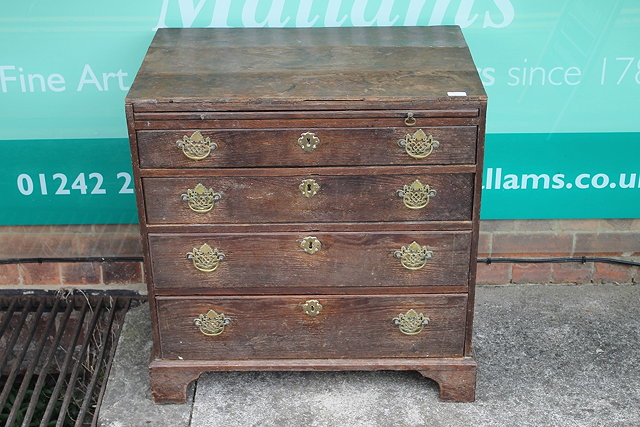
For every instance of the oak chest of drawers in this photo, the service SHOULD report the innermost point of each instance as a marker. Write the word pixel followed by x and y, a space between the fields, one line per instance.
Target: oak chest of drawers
pixel 309 200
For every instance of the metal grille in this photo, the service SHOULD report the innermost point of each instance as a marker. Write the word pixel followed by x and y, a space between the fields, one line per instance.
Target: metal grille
pixel 55 355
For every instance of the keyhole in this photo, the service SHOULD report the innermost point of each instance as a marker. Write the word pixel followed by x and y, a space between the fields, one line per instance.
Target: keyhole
pixel 310 245
pixel 312 309
pixel 309 187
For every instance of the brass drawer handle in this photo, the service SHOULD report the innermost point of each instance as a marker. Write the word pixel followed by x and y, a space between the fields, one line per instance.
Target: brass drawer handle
pixel 205 258
pixel 418 145
pixel 312 307
pixel 309 187
pixel 411 322
pixel 201 199
pixel 414 256
pixel 196 147
pixel 212 323
pixel 416 195
pixel 310 245
pixel 410 120
pixel 308 141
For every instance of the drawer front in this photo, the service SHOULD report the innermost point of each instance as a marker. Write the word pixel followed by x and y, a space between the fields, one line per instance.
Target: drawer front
pixel 307 147
pixel 301 261
pixel 306 198
pixel 336 327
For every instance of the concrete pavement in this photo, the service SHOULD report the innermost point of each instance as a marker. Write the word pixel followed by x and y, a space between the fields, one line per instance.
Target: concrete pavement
pixel 555 355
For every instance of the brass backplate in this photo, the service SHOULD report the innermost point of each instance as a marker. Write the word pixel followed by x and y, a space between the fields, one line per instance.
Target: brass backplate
pixel 413 256
pixel 418 145
pixel 201 199
pixel 411 322
pixel 416 195
pixel 211 323
pixel 205 258
pixel 196 146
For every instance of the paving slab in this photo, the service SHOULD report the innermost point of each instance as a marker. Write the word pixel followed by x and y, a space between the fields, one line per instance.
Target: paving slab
pixel 127 398
pixel 552 355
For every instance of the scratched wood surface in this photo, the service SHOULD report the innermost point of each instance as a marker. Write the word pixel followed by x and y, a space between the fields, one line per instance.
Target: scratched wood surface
pixel 277 328
pixel 276 260
pixel 273 199
pixel 342 64
pixel 279 147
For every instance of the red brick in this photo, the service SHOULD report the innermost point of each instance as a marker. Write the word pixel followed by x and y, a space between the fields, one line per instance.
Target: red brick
pixel 46 229
pixel 124 229
pixel 531 244
pixel 109 245
pixel 614 273
pixel 572 272
pixel 80 273
pixel 121 272
pixel 592 225
pixel 626 224
pixel 9 274
pixel 484 245
pixel 613 243
pixel 40 274
pixel 497 225
pixel 531 273
pixel 497 273
pixel 34 245
pixel 534 225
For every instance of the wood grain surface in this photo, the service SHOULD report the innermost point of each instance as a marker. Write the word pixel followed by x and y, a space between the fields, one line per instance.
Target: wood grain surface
pixel 279 147
pixel 456 376
pixel 276 260
pixel 354 64
pixel 276 199
pixel 277 328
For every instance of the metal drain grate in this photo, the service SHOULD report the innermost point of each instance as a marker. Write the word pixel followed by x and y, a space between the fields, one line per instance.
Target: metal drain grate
pixel 55 354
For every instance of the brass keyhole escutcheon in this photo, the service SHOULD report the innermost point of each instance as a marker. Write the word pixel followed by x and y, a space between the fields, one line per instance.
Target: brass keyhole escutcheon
pixel 310 245
pixel 312 308
pixel 308 141
pixel 309 188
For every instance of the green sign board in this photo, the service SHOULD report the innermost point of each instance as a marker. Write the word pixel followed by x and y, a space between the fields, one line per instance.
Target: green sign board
pixel 563 79
pixel 74 181
pixel 561 175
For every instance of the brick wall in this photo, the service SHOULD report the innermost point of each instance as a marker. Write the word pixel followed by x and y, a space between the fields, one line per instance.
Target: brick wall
pixel 614 238
pixel 618 238
pixel 71 241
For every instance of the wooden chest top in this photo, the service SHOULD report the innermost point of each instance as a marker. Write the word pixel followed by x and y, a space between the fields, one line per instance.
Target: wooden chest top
pixel 332 67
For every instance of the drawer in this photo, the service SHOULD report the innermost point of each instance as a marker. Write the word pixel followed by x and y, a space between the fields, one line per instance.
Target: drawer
pixel 308 198
pixel 342 327
pixel 221 148
pixel 301 262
